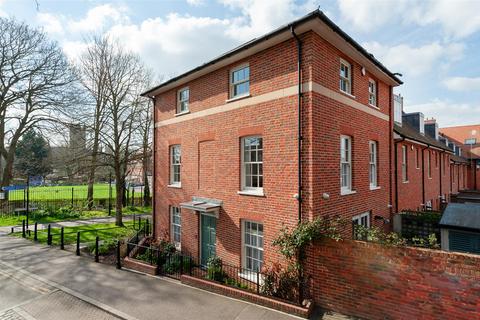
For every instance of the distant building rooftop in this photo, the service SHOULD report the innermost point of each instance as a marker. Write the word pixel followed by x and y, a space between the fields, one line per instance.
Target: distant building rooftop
pixel 463 216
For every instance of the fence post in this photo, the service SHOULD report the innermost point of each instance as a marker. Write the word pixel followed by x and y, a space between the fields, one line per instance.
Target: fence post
pixel 72 197
pixel 119 264
pixel 134 218
pixel 78 243
pixel 158 263
pixel 28 198
pixel 190 267
pixel 49 235
pixel 62 245
pixel 23 229
pixel 133 197
pixel 181 263
pixel 35 236
pixel 258 282
pixel 139 223
pixel 96 249
pixel 147 227
pixel 12 230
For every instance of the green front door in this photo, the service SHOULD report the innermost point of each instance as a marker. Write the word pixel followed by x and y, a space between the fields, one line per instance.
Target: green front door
pixel 208 227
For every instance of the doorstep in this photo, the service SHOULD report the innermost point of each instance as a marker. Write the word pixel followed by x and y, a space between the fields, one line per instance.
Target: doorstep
pixel 300 311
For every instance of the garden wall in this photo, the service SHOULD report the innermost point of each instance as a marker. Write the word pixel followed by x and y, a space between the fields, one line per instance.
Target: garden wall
pixel 377 282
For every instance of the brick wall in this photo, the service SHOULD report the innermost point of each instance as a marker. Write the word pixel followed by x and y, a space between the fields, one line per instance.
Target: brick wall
pixel 377 282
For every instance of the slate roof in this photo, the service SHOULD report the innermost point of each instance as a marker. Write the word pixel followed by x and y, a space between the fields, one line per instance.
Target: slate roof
pixel 406 131
pixel 465 216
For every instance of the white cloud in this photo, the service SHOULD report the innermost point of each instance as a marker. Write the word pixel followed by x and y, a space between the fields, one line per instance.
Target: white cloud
pixel 462 84
pixel 458 18
pixel 176 43
pixel 415 61
pixel 98 17
pixel 51 23
pixel 448 113
pixel 369 15
pixel 73 49
pixel 3 14
pixel 196 3
pixel 259 16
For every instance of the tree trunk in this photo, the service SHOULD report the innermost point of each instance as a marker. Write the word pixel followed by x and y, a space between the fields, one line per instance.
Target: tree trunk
pixel 91 173
pixel 119 187
pixel 146 189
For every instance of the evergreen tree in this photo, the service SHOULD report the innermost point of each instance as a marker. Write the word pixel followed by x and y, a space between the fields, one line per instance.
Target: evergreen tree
pixel 31 155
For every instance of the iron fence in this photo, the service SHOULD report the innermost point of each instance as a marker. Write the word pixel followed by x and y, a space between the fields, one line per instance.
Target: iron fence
pixel 288 289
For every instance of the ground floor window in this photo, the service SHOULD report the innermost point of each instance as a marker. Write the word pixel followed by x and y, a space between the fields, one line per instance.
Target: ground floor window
pixel 176 226
pixel 252 246
pixel 360 220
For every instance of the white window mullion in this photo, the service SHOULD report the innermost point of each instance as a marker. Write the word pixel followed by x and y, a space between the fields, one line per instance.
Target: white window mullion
pixel 373 164
pixel 175 164
pixel 176 226
pixel 252 163
pixel 346 163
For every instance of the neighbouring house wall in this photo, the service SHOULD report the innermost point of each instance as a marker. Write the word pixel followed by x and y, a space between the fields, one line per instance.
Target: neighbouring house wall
pixel 377 282
pixel 410 191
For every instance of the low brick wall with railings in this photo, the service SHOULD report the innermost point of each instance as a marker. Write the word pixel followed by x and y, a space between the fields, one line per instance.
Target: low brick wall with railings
pixel 377 282
pixel 140 266
pixel 247 296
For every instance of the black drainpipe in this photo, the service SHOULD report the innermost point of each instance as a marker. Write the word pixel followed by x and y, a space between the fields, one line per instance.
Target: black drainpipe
pixel 441 161
pixel 299 94
pixel 423 175
pixel 396 172
pixel 154 176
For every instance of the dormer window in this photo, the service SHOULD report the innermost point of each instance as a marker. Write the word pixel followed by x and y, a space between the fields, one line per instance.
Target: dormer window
pixel 345 76
pixel 183 97
pixel 372 93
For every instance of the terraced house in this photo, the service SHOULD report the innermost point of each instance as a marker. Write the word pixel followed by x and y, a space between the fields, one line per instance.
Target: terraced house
pixel 289 126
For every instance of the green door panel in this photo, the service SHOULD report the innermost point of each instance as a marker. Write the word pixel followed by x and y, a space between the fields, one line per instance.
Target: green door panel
pixel 208 237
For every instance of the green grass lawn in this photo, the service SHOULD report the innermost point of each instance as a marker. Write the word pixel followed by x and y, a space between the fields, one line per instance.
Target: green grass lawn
pixel 100 191
pixel 105 232
pixel 9 220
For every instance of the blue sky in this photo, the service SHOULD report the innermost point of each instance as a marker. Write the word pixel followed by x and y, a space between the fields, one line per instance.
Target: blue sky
pixel 433 43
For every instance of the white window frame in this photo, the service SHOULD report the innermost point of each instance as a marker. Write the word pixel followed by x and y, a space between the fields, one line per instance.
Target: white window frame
pixel 246 272
pixel 405 163
pixel 360 219
pixel 176 211
pixel 373 164
pixel 372 93
pixel 183 102
pixel 347 79
pixel 345 162
pixel 234 84
pixel 251 189
pixel 174 163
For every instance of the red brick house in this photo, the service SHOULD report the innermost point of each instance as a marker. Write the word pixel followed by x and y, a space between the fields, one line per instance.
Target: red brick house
pixel 467 139
pixel 292 125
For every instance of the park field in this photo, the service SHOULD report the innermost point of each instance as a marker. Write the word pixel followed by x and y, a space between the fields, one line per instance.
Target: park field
pixel 100 191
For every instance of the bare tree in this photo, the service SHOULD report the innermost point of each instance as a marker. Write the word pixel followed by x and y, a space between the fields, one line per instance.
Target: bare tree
pixel 93 66
pixel 125 76
pixel 36 84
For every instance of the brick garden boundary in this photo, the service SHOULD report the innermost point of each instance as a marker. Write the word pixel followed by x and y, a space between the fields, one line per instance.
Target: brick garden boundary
pixel 378 282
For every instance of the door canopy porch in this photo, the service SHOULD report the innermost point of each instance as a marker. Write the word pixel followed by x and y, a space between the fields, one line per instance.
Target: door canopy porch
pixel 205 206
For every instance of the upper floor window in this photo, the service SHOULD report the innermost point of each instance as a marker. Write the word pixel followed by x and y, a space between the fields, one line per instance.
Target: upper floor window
pixel 346 163
pixel 183 97
pixel 252 163
pixel 373 164
pixel 345 76
pixel 175 164
pixel 372 92
pixel 417 158
pixel 404 164
pixel 176 226
pixel 240 82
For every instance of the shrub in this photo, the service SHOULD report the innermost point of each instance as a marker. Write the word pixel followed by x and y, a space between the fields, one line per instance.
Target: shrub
pixel 105 247
pixel 214 269
pixel 280 282
pixel 67 212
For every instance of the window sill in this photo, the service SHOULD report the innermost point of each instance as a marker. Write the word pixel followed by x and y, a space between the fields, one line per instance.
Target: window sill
pixel 182 113
pixel 375 188
pixel 347 192
pixel 405 181
pixel 348 94
pixel 177 186
pixel 374 106
pixel 251 276
pixel 255 193
pixel 238 98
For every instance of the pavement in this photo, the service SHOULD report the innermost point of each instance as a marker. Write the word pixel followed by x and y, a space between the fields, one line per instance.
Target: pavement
pixel 40 282
pixel 74 223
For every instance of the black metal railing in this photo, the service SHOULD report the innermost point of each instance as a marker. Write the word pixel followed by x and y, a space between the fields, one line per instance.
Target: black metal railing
pixel 286 288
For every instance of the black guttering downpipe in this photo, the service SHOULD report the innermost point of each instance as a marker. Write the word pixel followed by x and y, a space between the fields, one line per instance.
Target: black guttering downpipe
pixel 396 172
pixel 154 227
pixel 300 138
